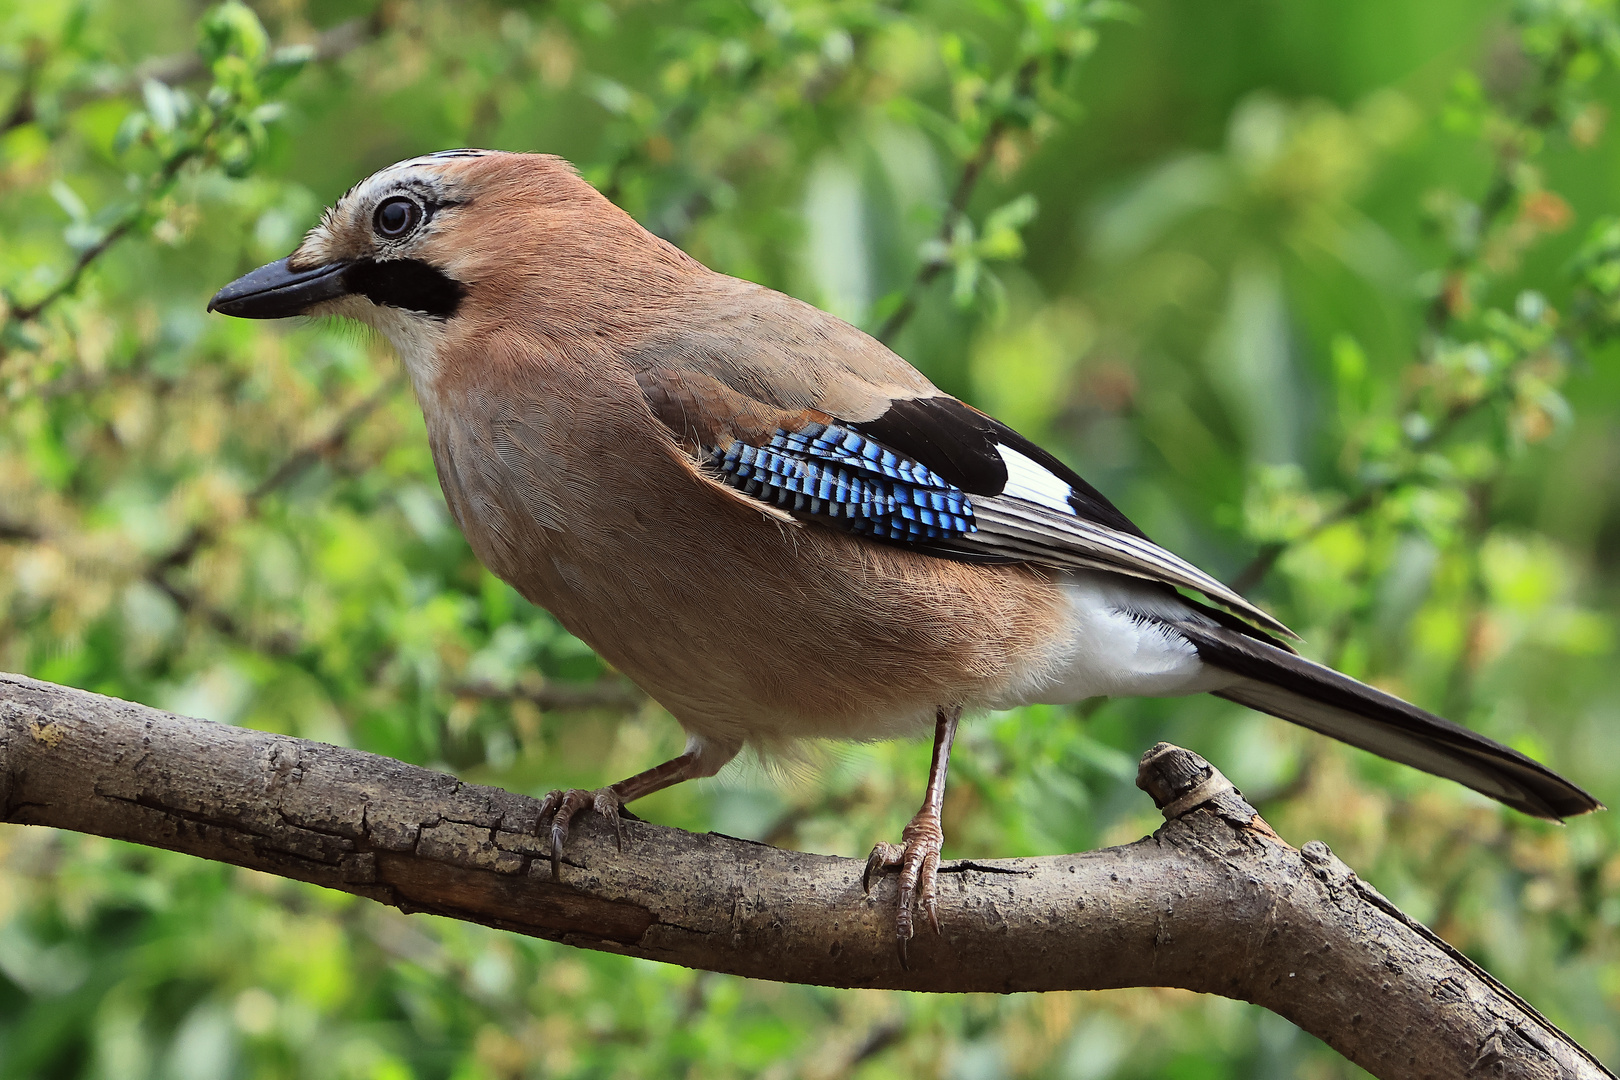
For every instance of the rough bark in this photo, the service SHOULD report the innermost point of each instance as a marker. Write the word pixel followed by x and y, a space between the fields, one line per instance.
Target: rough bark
pixel 1214 901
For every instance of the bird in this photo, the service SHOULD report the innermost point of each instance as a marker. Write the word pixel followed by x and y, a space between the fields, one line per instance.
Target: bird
pixel 769 521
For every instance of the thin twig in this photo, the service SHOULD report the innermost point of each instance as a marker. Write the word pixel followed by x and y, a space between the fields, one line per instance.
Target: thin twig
pixel 328 444
pixel 1266 558
pixel 1440 314
pixel 19 530
pixel 22 109
pixel 29 312
pixel 178 68
pixel 292 467
pixel 165 177
pixel 609 693
pixel 296 464
pixel 972 171
pixel 673 223
pixel 172 69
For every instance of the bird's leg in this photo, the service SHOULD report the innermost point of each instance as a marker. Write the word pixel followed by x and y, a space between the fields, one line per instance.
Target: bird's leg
pixel 917 854
pixel 700 759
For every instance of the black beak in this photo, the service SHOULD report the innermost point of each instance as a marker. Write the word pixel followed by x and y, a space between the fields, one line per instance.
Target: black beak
pixel 275 291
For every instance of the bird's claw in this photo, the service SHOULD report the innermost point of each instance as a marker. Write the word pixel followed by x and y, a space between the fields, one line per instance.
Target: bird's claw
pixel 917 858
pixel 560 806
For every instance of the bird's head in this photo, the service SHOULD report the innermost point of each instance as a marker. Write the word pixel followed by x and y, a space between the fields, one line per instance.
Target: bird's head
pixel 449 246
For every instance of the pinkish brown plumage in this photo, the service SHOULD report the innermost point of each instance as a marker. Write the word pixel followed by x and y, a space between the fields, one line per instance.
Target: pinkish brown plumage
pixel 772 523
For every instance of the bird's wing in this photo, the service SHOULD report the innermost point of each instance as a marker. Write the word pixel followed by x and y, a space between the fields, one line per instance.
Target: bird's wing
pixel 897 461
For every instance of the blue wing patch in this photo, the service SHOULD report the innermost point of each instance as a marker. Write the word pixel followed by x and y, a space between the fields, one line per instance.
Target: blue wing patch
pixel 829 471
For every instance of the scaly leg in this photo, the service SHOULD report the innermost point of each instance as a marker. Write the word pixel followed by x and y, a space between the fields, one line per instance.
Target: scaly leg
pixel 917 854
pixel 701 758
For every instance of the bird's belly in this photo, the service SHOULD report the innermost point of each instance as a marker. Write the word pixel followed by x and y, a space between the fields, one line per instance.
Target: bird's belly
pixel 1112 646
pixel 807 633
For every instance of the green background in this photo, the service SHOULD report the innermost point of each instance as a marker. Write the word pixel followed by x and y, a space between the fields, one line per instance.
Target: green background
pixel 1329 284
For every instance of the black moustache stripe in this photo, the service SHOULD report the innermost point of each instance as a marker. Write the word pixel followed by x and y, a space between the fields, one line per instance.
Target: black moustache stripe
pixel 409 284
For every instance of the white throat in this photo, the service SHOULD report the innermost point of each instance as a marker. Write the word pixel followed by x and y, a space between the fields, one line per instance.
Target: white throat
pixel 418 340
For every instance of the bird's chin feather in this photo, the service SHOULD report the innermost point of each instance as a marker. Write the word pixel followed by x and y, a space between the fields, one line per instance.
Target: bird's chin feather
pixel 416 338
pixel 347 328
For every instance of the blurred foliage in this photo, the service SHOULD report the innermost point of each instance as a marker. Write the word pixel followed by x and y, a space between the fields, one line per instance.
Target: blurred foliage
pixel 1324 296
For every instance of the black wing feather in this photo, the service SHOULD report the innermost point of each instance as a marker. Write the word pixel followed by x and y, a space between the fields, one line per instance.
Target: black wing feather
pixel 959 443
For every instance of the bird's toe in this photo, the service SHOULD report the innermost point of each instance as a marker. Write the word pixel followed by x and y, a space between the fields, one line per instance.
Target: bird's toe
pixel 917 859
pixel 884 856
pixel 559 807
pixel 607 803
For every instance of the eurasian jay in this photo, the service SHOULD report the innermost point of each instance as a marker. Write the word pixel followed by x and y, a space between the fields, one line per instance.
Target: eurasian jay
pixel 774 525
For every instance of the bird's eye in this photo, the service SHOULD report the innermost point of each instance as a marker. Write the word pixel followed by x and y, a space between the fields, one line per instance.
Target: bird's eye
pixel 395 217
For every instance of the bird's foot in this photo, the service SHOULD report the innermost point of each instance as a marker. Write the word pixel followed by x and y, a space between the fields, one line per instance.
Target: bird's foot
pixel 917 857
pixel 559 809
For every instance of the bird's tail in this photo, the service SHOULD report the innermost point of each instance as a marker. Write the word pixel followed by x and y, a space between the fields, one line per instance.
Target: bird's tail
pixel 1276 681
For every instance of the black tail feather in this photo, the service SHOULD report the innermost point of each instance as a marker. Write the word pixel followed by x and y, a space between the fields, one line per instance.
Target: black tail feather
pixel 1289 686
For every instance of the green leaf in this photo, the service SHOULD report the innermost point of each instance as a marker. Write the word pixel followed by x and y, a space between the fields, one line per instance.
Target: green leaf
pixel 69 201
pixel 231 29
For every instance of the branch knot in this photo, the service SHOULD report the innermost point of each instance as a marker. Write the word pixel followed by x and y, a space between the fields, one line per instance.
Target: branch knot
pixel 1179 781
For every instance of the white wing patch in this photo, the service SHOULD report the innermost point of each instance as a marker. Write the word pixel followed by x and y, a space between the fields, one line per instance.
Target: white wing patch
pixel 1028 480
pixel 1032 519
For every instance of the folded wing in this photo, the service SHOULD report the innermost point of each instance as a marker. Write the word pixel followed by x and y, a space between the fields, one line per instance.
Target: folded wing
pixel 929 472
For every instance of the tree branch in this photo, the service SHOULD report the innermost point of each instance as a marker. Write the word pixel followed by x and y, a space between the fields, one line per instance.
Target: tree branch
pixel 1213 902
